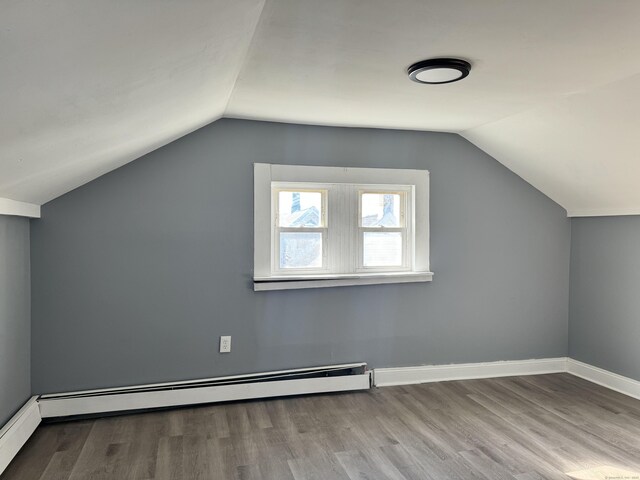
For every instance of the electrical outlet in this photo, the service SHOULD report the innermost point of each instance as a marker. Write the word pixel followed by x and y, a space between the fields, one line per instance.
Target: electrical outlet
pixel 225 344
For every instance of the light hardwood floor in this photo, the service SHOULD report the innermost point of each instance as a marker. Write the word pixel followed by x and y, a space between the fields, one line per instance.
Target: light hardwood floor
pixel 525 428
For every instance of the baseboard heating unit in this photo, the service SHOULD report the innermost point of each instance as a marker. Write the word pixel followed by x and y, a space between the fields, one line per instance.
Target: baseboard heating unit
pixel 332 378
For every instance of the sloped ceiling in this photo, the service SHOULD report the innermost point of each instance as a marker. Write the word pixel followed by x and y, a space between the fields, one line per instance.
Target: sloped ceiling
pixel 89 85
pixel 583 150
pixel 554 92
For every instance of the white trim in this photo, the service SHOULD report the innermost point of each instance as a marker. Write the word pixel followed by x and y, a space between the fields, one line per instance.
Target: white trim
pixel 353 175
pixel 267 174
pixel 20 209
pixel 262 209
pixel 607 379
pixel 17 431
pixel 603 212
pixel 320 281
pixel 383 377
pixel 62 407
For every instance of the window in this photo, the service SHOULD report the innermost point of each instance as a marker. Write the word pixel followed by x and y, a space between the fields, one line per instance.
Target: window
pixel 384 241
pixel 330 226
pixel 300 229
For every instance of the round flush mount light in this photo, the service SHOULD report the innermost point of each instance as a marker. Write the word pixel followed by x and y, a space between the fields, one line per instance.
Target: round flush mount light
pixel 439 70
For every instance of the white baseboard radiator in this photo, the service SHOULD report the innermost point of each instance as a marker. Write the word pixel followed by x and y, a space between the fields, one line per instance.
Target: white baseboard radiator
pixel 301 381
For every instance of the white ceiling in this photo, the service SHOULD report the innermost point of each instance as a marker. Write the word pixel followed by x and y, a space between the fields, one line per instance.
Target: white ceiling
pixel 89 85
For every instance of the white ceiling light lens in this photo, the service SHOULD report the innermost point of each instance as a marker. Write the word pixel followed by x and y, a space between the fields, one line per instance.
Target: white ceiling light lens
pixel 439 70
pixel 438 75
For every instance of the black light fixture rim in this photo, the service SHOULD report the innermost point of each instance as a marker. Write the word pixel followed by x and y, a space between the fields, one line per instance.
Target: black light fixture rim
pixel 462 66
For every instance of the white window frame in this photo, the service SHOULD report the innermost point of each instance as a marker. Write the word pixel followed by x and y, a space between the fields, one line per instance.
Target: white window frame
pixel 338 182
pixel 276 188
pixel 406 227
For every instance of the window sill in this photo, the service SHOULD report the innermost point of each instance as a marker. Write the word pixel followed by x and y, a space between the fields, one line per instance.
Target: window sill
pixel 322 281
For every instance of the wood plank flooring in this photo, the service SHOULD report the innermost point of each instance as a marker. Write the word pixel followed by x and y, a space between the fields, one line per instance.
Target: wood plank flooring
pixel 523 428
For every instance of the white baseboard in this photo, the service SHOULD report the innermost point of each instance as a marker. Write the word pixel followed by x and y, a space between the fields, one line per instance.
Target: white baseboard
pixel 117 402
pixel 383 377
pixel 17 431
pixel 605 378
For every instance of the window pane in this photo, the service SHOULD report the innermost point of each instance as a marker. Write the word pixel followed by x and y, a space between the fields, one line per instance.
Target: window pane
pixel 300 250
pixel 300 209
pixel 380 209
pixel 382 249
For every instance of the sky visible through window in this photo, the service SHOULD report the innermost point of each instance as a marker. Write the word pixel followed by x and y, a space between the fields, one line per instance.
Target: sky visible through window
pixel 380 210
pixel 300 209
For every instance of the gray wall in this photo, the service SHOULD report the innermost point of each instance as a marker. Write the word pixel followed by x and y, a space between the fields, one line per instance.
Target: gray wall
pixel 15 322
pixel 605 293
pixel 136 274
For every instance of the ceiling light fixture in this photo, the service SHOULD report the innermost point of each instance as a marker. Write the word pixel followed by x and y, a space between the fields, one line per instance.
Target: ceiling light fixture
pixel 439 70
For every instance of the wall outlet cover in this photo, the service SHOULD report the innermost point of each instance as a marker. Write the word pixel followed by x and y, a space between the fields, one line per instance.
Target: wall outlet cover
pixel 225 344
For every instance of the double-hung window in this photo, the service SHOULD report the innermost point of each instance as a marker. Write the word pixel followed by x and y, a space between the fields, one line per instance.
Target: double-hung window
pixel 300 228
pixel 331 226
pixel 384 239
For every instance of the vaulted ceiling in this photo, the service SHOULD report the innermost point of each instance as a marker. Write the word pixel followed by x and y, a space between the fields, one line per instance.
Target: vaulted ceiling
pixel 554 94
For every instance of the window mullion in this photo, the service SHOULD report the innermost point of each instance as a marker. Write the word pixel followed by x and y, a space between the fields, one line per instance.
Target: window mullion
pixel 342 229
pixel 333 231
